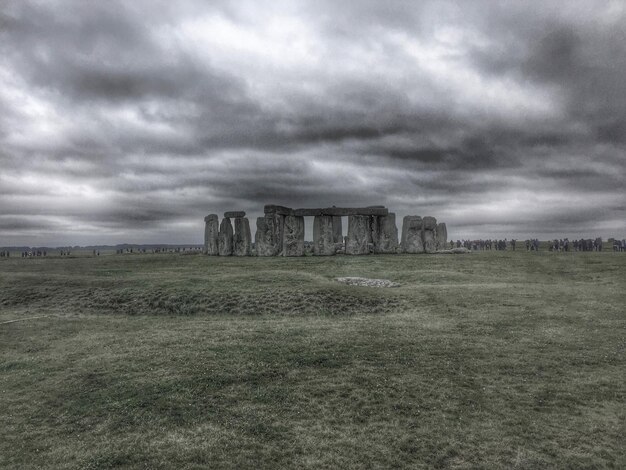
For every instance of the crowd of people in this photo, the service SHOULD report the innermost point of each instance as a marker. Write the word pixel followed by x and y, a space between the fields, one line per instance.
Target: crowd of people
pixel 563 244
pixel 34 253
pixel 480 245
pixel 159 250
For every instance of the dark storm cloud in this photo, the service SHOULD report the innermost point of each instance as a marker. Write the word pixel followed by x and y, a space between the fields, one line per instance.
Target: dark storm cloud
pixel 123 120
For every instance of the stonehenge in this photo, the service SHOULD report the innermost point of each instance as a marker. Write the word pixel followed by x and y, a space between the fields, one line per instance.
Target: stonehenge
pixel 412 241
pixel 280 232
pixel 211 234
pixel 225 238
pixel 242 244
pixel 293 236
pixel 359 236
pixel 429 225
pixel 323 235
pixel 387 234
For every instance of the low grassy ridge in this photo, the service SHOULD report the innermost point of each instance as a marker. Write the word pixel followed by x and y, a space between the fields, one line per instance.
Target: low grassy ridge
pixel 489 360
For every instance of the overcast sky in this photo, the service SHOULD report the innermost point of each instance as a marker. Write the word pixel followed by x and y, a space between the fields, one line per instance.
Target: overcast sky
pixel 130 121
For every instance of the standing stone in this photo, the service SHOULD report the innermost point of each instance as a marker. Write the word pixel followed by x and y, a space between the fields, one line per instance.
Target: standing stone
pixel 293 236
pixel 442 236
pixel 211 235
pixel 323 236
pixel 387 234
pixel 337 230
pixel 359 236
pixel 225 243
pixel 412 234
pixel 269 235
pixel 429 225
pixel 242 239
pixel 375 233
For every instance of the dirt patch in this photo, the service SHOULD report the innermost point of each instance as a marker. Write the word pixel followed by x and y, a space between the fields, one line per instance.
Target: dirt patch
pixel 365 282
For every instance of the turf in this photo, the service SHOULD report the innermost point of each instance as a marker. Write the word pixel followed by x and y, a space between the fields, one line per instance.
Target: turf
pixel 488 360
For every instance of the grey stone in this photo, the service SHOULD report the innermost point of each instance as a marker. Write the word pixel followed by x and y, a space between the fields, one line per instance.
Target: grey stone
pixel 430 242
pixel 342 211
pixel 211 235
pixel 387 234
pixel 242 239
pixel 269 235
pixel 281 210
pixel 359 236
pixel 442 236
pixel 337 230
pixel 412 234
pixel 234 214
pixel 323 236
pixel 429 225
pixel 293 236
pixel 225 243
pixel 374 233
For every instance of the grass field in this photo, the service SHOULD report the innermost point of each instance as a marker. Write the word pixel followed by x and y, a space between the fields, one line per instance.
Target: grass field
pixel 488 360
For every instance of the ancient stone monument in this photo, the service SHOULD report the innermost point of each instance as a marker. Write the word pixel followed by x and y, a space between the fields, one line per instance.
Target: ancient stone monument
pixel 211 234
pixel 429 225
pixel 387 232
pixel 225 239
pixel 242 239
pixel 412 241
pixel 323 235
pixel 293 236
pixel 442 236
pixel 280 232
pixel 359 237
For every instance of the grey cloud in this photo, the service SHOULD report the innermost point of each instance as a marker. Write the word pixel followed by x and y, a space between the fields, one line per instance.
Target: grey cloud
pixel 111 102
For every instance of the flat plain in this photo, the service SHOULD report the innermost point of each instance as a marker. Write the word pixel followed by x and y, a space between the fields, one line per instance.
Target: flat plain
pixel 488 360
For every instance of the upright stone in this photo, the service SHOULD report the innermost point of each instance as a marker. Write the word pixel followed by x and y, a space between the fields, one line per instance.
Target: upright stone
pixel 429 225
pixel 359 235
pixel 225 243
pixel 293 236
pixel 337 230
pixel 387 234
pixel 442 236
pixel 375 232
pixel 412 234
pixel 269 235
pixel 211 234
pixel 323 236
pixel 242 239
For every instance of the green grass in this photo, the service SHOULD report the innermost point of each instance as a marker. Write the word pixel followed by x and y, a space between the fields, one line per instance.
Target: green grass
pixel 489 360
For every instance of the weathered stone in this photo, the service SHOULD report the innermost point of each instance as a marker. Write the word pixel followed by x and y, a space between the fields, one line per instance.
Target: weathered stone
pixel 269 235
pixel 323 236
pixel 359 236
pixel 281 210
pixel 429 225
pixel 442 236
pixel 387 234
pixel 234 214
pixel 337 230
pixel 293 236
pixel 412 234
pixel 374 233
pixel 211 235
pixel 242 238
pixel 430 242
pixel 225 242
pixel 342 211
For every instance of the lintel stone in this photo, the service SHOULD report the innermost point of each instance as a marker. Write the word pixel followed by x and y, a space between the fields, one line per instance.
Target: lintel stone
pixel 234 214
pixel 280 210
pixel 342 211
